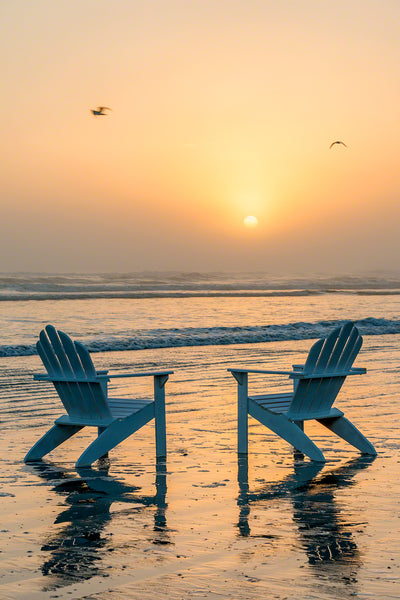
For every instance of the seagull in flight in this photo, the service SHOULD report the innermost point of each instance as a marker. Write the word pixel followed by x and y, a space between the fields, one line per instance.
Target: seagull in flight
pixel 99 111
pixel 338 142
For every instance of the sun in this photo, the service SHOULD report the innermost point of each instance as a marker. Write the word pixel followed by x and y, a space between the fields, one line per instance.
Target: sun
pixel 250 221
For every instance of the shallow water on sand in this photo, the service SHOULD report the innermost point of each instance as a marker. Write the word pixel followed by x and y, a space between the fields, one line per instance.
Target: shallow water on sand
pixel 203 525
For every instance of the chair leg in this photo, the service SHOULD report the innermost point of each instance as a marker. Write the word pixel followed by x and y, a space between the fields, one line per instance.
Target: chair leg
pixel 114 434
pixel 346 430
pixel 99 432
pixel 159 416
pixel 287 430
pixel 242 415
pixel 53 438
pixel 297 455
pixel 243 432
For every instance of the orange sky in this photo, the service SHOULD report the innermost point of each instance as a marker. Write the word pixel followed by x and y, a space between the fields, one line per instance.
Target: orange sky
pixel 221 109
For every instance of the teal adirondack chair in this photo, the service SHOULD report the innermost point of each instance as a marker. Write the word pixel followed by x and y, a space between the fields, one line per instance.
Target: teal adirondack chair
pixel 83 392
pixel 316 385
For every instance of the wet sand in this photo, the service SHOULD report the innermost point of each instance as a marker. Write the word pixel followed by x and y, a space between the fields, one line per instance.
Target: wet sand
pixel 204 524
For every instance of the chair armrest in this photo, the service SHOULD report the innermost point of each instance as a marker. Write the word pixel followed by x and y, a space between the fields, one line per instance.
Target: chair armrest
pixel 301 374
pixel 46 377
pixel 316 375
pixel 146 374
pixel 265 371
pixel 61 379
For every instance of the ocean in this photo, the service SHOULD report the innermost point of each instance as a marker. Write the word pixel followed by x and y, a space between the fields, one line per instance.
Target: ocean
pixel 164 310
pixel 206 525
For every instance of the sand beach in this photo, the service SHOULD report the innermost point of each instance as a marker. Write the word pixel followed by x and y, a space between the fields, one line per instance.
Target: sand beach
pixel 204 524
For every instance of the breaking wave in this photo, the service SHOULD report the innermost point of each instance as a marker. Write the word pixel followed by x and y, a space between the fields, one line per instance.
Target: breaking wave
pixel 215 336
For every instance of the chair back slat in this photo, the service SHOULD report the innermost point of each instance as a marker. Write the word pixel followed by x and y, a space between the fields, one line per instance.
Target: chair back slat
pixel 86 360
pixel 68 391
pixel 351 350
pixel 331 355
pixel 81 396
pixel 344 335
pixel 312 357
pixel 53 368
pixel 47 355
pixel 85 393
pixel 326 352
pixel 43 355
pixel 351 346
pixel 59 351
pixel 93 392
pixel 71 354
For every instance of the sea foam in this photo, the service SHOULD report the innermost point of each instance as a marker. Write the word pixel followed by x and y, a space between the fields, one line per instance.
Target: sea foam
pixel 214 336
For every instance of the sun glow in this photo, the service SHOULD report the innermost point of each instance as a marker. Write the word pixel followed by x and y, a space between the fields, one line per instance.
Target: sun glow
pixel 250 221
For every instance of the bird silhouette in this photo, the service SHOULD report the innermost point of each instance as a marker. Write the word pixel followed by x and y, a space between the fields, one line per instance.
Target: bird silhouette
pixel 99 111
pixel 338 142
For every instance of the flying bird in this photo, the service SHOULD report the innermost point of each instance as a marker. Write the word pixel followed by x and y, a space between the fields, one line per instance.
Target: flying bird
pixel 99 111
pixel 338 142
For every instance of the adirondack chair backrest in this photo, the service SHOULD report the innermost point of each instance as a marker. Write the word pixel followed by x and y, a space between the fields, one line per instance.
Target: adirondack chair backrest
pixel 334 354
pixel 73 374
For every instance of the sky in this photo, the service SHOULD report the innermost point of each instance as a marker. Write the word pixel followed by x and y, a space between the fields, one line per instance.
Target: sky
pixel 221 109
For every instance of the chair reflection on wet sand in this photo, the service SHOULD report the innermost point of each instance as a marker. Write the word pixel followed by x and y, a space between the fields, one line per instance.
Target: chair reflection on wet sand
pixel 325 532
pixel 76 550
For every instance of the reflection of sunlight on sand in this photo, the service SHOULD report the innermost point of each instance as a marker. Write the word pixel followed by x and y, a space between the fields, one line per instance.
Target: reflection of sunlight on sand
pixel 324 533
pixel 75 549
pixel 210 536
